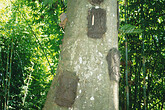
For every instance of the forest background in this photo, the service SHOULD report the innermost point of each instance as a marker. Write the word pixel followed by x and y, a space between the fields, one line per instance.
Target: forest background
pixel 30 40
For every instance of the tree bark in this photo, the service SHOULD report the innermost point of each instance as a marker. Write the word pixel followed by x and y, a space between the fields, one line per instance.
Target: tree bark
pixel 87 58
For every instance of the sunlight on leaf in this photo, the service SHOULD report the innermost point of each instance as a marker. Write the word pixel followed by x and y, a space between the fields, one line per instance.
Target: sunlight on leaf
pixel 130 29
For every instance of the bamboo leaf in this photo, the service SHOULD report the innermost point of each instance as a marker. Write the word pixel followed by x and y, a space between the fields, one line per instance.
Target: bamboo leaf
pixel 130 29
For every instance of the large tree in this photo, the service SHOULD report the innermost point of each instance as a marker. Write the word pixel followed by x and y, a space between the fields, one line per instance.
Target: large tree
pixel 88 72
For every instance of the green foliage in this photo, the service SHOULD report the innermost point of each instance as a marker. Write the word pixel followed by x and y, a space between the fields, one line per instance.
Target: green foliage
pixel 36 35
pixel 49 2
pixel 148 45
pixel 130 29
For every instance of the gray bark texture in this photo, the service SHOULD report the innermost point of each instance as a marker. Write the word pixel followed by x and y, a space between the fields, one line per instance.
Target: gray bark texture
pixel 84 79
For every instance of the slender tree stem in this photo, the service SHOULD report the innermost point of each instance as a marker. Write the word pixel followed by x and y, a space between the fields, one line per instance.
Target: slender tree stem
pixel 10 69
pixel 6 80
pixel 143 55
pixel 126 52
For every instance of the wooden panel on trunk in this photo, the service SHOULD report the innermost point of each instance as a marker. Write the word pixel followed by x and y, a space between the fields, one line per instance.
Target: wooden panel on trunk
pixel 96 23
pixel 66 89
pixel 95 1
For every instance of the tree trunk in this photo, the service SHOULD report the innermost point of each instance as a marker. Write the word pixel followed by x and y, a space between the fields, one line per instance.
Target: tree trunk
pixel 88 71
